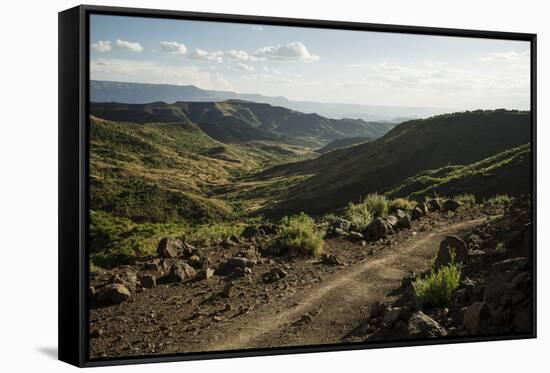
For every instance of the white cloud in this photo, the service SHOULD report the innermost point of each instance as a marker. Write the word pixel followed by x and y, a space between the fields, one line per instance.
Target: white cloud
pixel 202 55
pixel 240 55
pixel 173 47
pixel 270 70
pixel 129 45
pixel 245 67
pixel 154 73
pixel 257 28
pixel 506 56
pixel 294 51
pixel 102 46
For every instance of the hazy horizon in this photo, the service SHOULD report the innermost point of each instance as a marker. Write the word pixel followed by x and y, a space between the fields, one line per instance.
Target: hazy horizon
pixel 308 64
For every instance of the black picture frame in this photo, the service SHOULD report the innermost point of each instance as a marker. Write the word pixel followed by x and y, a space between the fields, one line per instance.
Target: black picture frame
pixel 73 172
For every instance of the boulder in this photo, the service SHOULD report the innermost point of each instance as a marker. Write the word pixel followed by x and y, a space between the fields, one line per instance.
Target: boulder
pixel 113 294
pixel 449 244
pixel 434 205
pixel 377 229
pixel 234 264
pixel 416 213
pixel 394 315
pixel 147 281
pixel 404 222
pixel 400 214
pixel 180 272
pixel 474 315
pixel 330 259
pixel 422 326
pixel 250 231
pixel 451 205
pixel 392 220
pixel 377 309
pixel 274 275
pixel 169 247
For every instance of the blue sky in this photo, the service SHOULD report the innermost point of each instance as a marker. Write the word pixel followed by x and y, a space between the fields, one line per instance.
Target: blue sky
pixel 322 65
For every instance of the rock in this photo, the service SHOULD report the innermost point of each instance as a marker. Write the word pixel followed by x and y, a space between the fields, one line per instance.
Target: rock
pixel 96 333
pixel 392 220
pixel 377 309
pixel 180 272
pixel 377 229
pixel 422 326
pixel 474 315
pixel 228 243
pixel 400 214
pixel 423 208
pixel 113 294
pixel 197 262
pixel 233 264
pixel 511 266
pixel 235 239
pixel 355 236
pixel 152 266
pixel 268 229
pixel 127 278
pixel 521 278
pixel 250 231
pixel 404 222
pixel 330 259
pixel 339 232
pixel 168 247
pixel 495 288
pixel 451 243
pixel 394 315
pixel 434 205
pixel 205 274
pixel 451 205
pixel 274 275
pixel 148 281
pixel 342 224
pixel 416 213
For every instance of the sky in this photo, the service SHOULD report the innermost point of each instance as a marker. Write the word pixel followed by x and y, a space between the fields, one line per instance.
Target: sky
pixel 310 64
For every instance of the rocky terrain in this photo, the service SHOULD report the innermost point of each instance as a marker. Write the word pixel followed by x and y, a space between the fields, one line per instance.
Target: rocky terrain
pixel 243 292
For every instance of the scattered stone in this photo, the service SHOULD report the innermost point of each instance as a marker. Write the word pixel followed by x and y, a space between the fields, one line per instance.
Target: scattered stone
pixel 330 259
pixel 205 274
pixel 394 315
pixel 416 213
pixel 274 275
pixel 404 222
pixel 423 208
pixel 400 214
pixel 340 232
pixel 434 205
pixel 392 220
pixel 152 266
pixel 169 247
pixel 180 272
pixel 448 245
pixel 421 325
pixel 228 243
pixel 232 264
pixel 474 315
pixel 96 333
pixel 113 294
pixel 148 281
pixel 377 229
pixel 235 239
pixel 451 205
pixel 355 235
pixel 227 291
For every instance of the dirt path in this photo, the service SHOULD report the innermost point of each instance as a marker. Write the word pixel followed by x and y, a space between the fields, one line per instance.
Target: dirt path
pixel 329 311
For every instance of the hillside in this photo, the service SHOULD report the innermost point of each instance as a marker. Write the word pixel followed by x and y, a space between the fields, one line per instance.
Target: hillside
pixel 343 143
pixel 410 148
pixel 240 121
pixel 503 173
pixel 141 93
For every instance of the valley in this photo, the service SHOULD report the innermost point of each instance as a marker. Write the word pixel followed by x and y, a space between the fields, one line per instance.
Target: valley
pixel 210 217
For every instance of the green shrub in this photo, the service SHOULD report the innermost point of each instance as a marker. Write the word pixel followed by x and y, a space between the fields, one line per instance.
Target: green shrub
pixel 377 204
pixel 206 235
pixel 298 235
pixel 437 289
pixel 466 199
pixel 499 199
pixel 401 204
pixel 359 215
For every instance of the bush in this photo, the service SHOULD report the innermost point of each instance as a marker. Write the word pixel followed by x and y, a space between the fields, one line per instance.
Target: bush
pixel 206 235
pixel 377 204
pixel 299 235
pixel 499 199
pixel 401 204
pixel 359 215
pixel 437 289
pixel 466 199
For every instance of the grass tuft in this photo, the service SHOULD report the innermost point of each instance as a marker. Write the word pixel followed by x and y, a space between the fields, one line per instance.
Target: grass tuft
pixel 377 204
pixel 437 289
pixel 298 235
pixel 359 215
pixel 401 204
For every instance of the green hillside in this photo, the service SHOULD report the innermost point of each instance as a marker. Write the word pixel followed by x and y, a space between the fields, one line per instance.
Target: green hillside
pixel 504 173
pixel 343 143
pixel 410 148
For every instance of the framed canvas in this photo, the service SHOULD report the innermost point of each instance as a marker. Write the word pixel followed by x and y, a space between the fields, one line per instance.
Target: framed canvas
pixel 234 186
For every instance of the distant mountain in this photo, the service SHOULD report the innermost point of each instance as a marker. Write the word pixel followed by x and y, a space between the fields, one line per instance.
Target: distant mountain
pixel 235 121
pixel 139 93
pixel 408 149
pixel 343 143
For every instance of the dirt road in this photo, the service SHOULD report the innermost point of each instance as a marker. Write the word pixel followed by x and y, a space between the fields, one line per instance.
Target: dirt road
pixel 326 313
